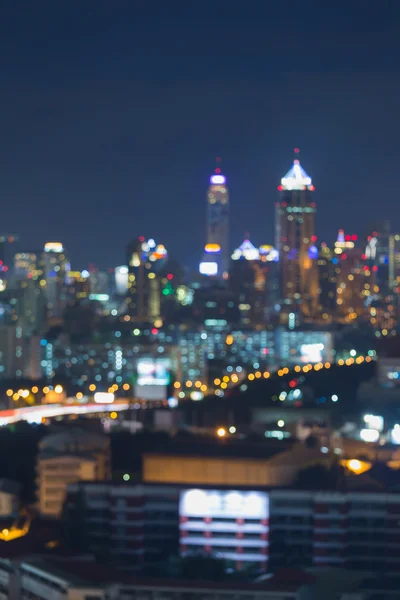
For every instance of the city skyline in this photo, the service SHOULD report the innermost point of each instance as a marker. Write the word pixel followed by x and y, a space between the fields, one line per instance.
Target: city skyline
pixel 237 236
pixel 113 133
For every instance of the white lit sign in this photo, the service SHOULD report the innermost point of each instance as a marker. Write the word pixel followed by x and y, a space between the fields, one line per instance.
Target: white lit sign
pixel 208 268
pixel 311 352
pixel 99 297
pixel 374 422
pixel 153 371
pixel 395 434
pixel 220 504
pixel 369 435
pixel 53 247
pixel 104 397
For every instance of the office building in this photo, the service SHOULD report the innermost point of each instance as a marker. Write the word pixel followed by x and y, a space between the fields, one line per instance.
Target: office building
pixel 295 242
pixel 127 523
pixel 287 528
pixel 248 278
pixel 12 351
pixel 218 220
pixel 56 266
pixel 145 260
pixel 67 457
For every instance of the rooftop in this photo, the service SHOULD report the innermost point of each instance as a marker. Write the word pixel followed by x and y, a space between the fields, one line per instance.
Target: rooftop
pixel 296 178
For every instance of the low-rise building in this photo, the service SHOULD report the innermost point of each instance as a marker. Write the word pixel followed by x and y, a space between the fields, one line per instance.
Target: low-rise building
pixel 64 458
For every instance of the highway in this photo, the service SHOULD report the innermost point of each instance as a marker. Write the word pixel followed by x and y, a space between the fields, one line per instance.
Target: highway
pixel 36 414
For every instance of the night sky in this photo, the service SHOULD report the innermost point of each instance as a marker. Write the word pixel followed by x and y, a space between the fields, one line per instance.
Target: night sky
pixel 112 114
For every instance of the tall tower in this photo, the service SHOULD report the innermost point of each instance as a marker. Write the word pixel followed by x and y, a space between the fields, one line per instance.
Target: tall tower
pixel 218 217
pixel 145 259
pixel 295 240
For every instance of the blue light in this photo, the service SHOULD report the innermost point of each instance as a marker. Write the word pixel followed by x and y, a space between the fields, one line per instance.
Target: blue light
pixel 335 261
pixel 313 252
pixel 43 342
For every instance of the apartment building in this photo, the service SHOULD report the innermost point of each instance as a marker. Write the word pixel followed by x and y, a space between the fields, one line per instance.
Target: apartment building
pixel 124 523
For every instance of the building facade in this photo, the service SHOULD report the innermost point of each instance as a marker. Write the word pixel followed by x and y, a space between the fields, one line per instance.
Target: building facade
pixel 218 218
pixel 68 457
pixel 295 241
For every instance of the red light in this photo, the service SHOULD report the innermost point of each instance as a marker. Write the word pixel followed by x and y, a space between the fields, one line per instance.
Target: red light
pixel 5 268
pixel 375 268
pixel 366 268
pixel 296 150
pixel 1 262
pixel 363 256
pixel 265 351
pixel 347 238
pixel 170 276
pixel 280 188
pixel 313 204
pixel 141 238
pixel 284 238
pixel 292 383
pixel 312 188
pixel 217 170
pixel 344 256
pixel 314 238
pixel 354 238
pixel 284 203
pixel 154 331
pixel 375 233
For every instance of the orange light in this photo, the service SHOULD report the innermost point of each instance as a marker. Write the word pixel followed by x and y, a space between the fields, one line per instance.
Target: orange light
pixel 212 248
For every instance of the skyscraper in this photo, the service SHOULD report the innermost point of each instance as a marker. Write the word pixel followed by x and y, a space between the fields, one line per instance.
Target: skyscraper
pixel 218 218
pixel 295 240
pixel 145 259
pixel 56 266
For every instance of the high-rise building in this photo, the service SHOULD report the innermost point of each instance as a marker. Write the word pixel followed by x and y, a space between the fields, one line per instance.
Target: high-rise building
pixel 295 241
pixel 145 259
pixel 218 218
pixel 56 266
pixel 27 290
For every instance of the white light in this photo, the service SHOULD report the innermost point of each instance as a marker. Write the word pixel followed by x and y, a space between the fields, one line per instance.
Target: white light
pixel 232 429
pixel 222 504
pixel 369 435
pixel 281 423
pixel 374 422
pixel 172 402
pixel 85 273
pixel 208 268
pixel 311 352
pixel 104 397
pixel 334 398
pixel 53 247
pixel 126 477
pixel 395 434
pixel 196 395
pixel 324 450
pixel 353 352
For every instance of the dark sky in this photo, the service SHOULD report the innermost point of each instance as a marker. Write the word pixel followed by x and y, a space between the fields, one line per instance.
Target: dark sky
pixel 112 114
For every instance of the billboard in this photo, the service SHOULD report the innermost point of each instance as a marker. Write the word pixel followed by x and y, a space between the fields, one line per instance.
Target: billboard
pixel 153 377
pixel 208 268
pixel 224 504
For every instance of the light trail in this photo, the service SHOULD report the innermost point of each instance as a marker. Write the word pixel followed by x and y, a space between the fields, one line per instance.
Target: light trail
pixel 36 414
